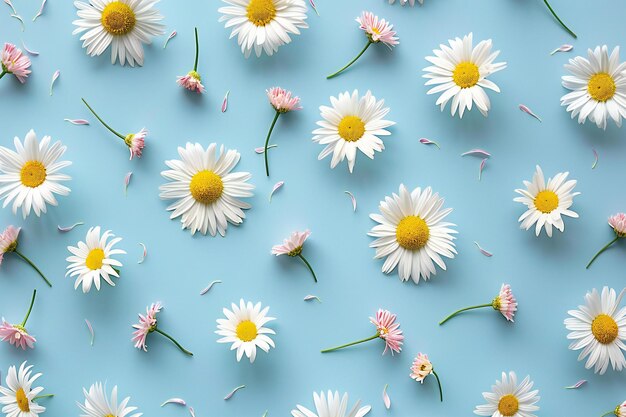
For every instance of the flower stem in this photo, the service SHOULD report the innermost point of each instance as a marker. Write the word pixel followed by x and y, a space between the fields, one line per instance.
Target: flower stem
pixel 267 141
pixel 608 414
pixel 30 308
pixel 462 310
pixel 195 64
pixel 102 121
pixel 602 250
pixel 351 62
pixel 559 20
pixel 439 384
pixel 2 74
pixel 351 344
pixel 308 266
pixel 39 397
pixel 174 341
pixel 29 262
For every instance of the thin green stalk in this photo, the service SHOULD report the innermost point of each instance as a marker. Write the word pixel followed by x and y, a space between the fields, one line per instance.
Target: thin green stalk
pixel 351 62
pixel 29 262
pixel 174 341
pixel 119 135
pixel 30 308
pixel 39 397
pixel 267 141
pixel 439 384
pixel 608 414
pixel 462 310
pixel 351 344
pixel 195 64
pixel 2 74
pixel 559 20
pixel 602 250
pixel 308 266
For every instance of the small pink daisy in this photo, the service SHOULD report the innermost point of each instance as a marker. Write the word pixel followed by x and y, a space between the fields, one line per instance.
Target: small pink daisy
pixel 9 243
pixel 421 368
pixel 16 334
pixel 504 302
pixel 618 224
pixel 192 81
pixel 136 143
pixel 292 246
pixel 14 62
pixel 283 101
pixel 148 324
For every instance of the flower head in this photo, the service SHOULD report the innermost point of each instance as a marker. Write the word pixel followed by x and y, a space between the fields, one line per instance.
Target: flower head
pixel 388 330
pixel 136 143
pixel 282 100
pixel 510 399
pixel 98 403
pixel 192 82
pixel 620 410
pixel 377 30
pixel 505 302
pixel 147 324
pixel 292 246
pixel 618 223
pixel 331 405
pixel 18 395
pixel 17 335
pixel 14 62
pixel 8 240
pixel 421 368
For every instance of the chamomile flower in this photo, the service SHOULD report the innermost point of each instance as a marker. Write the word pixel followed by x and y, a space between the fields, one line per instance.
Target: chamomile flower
pixel 618 224
pixel 421 368
pixel 618 411
pixel 459 72
pixel 31 175
pixel 16 334
pixel 599 329
pixel 510 399
pixel 98 403
pixel 18 397
pixel 193 81
pixel 331 405
pixel 244 327
pixel 125 25
pixel 13 61
pixel 352 123
pixel 412 234
pixel 283 101
pixel 263 25
pixel 292 247
pixel 9 243
pixel 149 324
pixel 546 202
pixel 504 302
pixel 93 260
pixel 598 87
pixel 207 192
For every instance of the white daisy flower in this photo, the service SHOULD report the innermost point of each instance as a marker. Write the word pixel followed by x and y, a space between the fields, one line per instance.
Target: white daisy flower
pixel 244 328
pixel 124 24
pixel 263 25
pixel 206 190
pixel 459 72
pixel 405 2
pixel 546 202
pixel 331 406
pixel 599 329
pixel 97 404
pixel 92 259
pixel 18 396
pixel 508 399
pixel 412 235
pixel 598 87
pixel 352 123
pixel 30 176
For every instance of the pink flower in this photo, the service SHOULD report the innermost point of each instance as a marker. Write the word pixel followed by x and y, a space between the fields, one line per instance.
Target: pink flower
pixel 421 368
pixel 8 240
pixel 136 143
pixel 618 223
pixel 192 82
pixel 377 30
pixel 505 302
pixel 388 330
pixel 620 410
pixel 15 62
pixel 282 100
pixel 292 246
pixel 147 324
pixel 16 335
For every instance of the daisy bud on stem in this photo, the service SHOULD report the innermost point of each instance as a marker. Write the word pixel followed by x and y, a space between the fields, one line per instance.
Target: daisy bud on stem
pixel 618 411
pixel 282 101
pixel 504 302
pixel 148 324
pixel 292 246
pixel 16 334
pixel 559 20
pixel 193 81
pixel 421 368
pixel 618 223
pixel 9 243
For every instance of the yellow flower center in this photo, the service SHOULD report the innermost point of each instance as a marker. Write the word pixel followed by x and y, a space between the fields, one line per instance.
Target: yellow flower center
pixel 297 251
pixel 351 128
pixel 508 405
pixel 412 233
pixel 22 400
pixel 261 12
pixel 33 174
pixel 94 259
pixel 206 187
pixel 604 329
pixel 466 74
pixel 601 87
pixel 246 331
pixel 118 18
pixel 546 201
pixel 109 415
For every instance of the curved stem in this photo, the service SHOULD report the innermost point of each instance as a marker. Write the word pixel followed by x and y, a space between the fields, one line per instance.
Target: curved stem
pixel 32 302
pixel 308 266
pixel 39 397
pixel 102 121
pixel 267 141
pixel 462 310
pixel 174 341
pixel 28 261
pixel 439 384
pixel 601 250
pixel 334 74
pixel 351 344
pixel 559 20
pixel 195 64
pixel 608 414
pixel 2 74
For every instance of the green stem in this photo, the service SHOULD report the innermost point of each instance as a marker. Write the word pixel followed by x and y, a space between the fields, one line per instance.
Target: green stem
pixel 351 344
pixel 28 261
pixel 439 384
pixel 602 250
pixel 195 64
pixel 102 121
pixel 462 310
pixel 608 414
pixel 32 302
pixel 267 141
pixel 308 266
pixel 559 20
pixel 39 397
pixel 351 62
pixel 3 73
pixel 174 341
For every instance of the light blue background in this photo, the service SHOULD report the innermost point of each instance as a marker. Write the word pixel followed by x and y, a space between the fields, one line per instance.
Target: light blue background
pixel 548 276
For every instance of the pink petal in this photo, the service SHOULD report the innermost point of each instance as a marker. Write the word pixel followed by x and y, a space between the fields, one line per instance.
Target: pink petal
pixel 169 38
pixel 312 297
pixel 277 186
pixel 429 142
pixel 261 149
pixel 483 251
pixel 90 327
pixel 29 51
pixel 192 412
pixel 477 152
pixel 127 181
pixel 562 48
pixel 145 253
pixel 353 199
pixel 208 288
pixel 230 394
pixel 11 6
pixel 178 401
pixel 69 228
pixel 525 109
pixel 386 398
pixel 578 384
pixel 225 102
pixel 77 121
pixel 595 161
pixel 314 7
pixel 43 3
pixel 54 78
pixel 18 17
pixel 480 169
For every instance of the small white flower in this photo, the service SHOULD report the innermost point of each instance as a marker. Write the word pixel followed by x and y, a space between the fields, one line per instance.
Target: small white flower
pixel 97 404
pixel 510 399
pixel 18 396
pixel 331 406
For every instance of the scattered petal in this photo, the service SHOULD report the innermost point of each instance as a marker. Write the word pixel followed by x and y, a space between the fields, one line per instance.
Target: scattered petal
pixel 277 186
pixel 386 398
pixel 525 109
pixel 477 152
pixel 562 48
pixel 312 297
pixel 145 253
pixel 353 199
pixel 127 181
pixel 261 149
pixel 265 413
pixel 480 169
pixel 39 13
pixel 11 6
pixel 90 327
pixel 578 384
pixel 314 7
pixel 230 394
pixel 208 288
pixel 483 251
pixel 429 142
pixel 54 78
pixel 169 38
pixel 18 17
pixel 178 401
pixel 595 161
pixel 192 412
pixel 77 121
pixel 225 102
pixel 29 51
pixel 69 228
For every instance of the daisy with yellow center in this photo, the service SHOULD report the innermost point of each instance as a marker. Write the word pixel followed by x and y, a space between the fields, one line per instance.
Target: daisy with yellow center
pixel 263 25
pixel 599 329
pixel 99 404
pixel 352 123
pixel 510 399
pixel 412 235
pixel 125 25
pixel 207 193
pixel 598 87
pixel 18 397
pixel 244 328
pixel 92 260
pixel 546 202
pixel 459 72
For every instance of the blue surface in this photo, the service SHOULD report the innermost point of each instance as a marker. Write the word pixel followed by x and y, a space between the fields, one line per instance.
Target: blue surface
pixel 548 276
